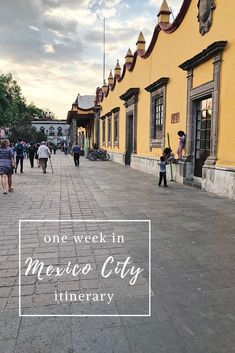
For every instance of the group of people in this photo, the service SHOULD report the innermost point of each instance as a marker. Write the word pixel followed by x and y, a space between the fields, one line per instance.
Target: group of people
pixel 22 151
pixel 13 155
pixel 34 151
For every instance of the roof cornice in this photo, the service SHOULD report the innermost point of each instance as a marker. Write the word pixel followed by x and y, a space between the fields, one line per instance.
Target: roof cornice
pixel 157 84
pixel 129 94
pixel 206 54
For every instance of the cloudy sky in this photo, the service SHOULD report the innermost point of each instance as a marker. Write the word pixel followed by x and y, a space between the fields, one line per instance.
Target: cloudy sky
pixel 54 47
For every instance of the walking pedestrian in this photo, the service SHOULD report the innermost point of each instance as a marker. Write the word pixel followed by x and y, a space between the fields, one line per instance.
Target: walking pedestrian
pixel 76 151
pixel 43 155
pixel 162 174
pixel 49 145
pixel 37 145
pixel 65 148
pixel 24 144
pixel 19 150
pixel 31 152
pixel 7 164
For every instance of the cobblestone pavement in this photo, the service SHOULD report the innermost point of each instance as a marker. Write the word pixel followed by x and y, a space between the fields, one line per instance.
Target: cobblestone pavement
pixel 193 264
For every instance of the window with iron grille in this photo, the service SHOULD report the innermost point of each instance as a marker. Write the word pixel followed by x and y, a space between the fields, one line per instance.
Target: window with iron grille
pixel 59 131
pixel 51 131
pixel 116 123
pixel 157 112
pixel 158 117
pixel 109 129
pixel 203 134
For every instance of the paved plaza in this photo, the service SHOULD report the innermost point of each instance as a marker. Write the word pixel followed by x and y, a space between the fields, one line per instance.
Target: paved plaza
pixel 193 264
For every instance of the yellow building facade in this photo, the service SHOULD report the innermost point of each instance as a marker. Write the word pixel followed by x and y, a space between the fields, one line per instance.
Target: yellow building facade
pixel 182 81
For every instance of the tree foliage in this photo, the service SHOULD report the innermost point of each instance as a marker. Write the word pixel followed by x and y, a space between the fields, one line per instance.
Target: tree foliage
pixel 27 133
pixel 15 114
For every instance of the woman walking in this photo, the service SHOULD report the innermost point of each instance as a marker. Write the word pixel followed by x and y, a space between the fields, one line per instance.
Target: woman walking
pixel 7 164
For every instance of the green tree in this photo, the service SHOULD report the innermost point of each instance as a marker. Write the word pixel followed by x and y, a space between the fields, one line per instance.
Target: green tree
pixel 27 133
pixel 35 112
pixel 16 114
pixel 12 103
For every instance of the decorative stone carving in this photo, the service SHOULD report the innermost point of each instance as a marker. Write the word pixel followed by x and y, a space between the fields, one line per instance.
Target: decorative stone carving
pixel 205 9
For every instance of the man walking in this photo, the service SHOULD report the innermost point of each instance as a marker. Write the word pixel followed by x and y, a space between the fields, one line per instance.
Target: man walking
pixel 43 155
pixel 76 150
pixel 31 152
pixel 19 150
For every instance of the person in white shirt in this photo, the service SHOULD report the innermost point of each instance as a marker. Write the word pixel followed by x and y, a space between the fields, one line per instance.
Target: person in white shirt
pixel 43 155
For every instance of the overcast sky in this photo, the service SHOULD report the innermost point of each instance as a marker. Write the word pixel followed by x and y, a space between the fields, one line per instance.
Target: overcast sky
pixel 54 47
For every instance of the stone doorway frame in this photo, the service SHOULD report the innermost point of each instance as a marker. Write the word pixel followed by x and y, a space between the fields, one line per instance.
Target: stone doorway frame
pixel 205 94
pixel 208 89
pixel 130 97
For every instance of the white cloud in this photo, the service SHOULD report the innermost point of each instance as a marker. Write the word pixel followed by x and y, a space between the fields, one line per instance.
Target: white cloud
pixel 106 13
pixel 80 15
pixel 33 28
pixel 65 55
pixel 49 49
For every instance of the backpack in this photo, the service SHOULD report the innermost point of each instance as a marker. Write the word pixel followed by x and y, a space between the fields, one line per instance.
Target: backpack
pixel 76 149
pixel 19 149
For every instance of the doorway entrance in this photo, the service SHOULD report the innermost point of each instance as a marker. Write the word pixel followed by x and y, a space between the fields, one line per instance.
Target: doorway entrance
pixel 203 134
pixel 129 142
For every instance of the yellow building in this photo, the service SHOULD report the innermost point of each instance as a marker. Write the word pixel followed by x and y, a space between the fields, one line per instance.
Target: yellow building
pixel 184 81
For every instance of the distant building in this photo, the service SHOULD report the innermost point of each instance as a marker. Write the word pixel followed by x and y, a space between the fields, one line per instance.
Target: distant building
pixel 55 130
pixel 81 116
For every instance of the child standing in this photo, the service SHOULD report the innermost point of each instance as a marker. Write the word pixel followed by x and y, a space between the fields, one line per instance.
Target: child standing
pixel 162 166
pixel 182 138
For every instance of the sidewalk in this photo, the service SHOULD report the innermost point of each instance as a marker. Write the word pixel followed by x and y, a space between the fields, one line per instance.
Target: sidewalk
pixel 193 263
